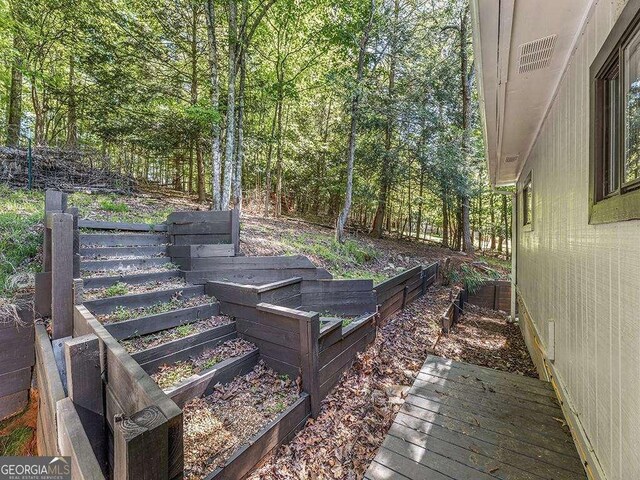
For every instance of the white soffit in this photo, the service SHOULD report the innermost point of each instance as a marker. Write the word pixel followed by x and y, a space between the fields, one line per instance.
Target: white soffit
pixel 521 49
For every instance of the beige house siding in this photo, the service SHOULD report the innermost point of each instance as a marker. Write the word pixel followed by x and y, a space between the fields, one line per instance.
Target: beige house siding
pixel 585 278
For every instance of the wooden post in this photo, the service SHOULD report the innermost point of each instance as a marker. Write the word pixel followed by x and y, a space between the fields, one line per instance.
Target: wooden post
pixel 85 388
pixel 76 241
pixel 141 446
pixel 425 277
pixel 61 225
pixel 78 289
pixel 309 334
pixel 405 291
pixel 235 229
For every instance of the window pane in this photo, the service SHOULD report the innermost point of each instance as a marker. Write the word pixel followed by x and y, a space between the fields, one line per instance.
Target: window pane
pixel 526 202
pixel 631 167
pixel 610 177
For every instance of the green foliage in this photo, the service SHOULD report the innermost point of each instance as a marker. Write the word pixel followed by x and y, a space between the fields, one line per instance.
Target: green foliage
pixel 112 206
pixel 14 443
pixel 117 289
pixel 21 214
pixel 469 277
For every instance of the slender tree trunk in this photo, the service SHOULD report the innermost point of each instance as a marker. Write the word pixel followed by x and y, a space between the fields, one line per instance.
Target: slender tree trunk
pixel 14 112
pixel 493 222
pixel 72 123
pixel 505 219
pixel 237 181
pixel 216 159
pixel 387 161
pixel 355 104
pixel 466 125
pixel 231 106
pixel 195 136
pixel 445 222
pixel 420 192
pixel 278 209
pixel 267 199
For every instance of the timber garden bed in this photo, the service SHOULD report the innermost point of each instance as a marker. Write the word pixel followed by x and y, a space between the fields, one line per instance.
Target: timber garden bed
pixel 222 428
pixel 170 374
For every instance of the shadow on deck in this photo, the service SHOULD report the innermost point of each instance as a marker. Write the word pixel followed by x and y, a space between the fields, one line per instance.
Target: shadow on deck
pixel 462 421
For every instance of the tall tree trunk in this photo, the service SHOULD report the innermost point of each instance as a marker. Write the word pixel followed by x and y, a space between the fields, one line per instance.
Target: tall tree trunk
pixel 195 136
pixel 493 222
pixel 445 221
pixel 231 106
pixel 216 159
pixel 279 160
pixel 267 199
pixel 466 125
pixel 237 180
pixel 387 161
pixel 14 112
pixel 505 219
pixel 420 192
pixel 72 120
pixel 355 104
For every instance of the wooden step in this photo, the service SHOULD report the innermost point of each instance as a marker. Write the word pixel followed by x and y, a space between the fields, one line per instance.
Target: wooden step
pixel 131 279
pixel 203 383
pixel 138 251
pixel 104 306
pixel 122 226
pixel 123 239
pixel 122 263
pixel 161 321
pixel 184 348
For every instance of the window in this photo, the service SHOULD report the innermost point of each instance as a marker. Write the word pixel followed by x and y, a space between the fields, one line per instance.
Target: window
pixel 527 202
pixel 615 123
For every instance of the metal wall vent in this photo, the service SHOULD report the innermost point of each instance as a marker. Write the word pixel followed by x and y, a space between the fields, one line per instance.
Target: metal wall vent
pixel 511 158
pixel 537 54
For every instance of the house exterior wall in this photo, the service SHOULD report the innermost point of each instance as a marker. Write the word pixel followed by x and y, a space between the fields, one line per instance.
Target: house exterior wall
pixel 585 278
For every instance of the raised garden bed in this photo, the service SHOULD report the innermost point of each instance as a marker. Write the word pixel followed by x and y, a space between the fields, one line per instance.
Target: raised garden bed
pixel 121 314
pixel 128 270
pixel 169 375
pixel 122 288
pixel 219 428
pixel 139 343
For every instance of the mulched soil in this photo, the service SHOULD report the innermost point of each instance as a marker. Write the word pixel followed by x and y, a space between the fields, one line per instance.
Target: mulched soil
pixel 170 375
pixel 174 304
pixel 355 417
pixel 137 344
pixel 215 426
pixel 94 293
pixel 128 270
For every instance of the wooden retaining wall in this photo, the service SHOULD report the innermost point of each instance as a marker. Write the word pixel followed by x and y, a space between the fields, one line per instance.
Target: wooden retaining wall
pixel 454 310
pixel 338 352
pixel 17 357
pixel 142 422
pixel 254 270
pixel 203 228
pixel 339 297
pixel 495 295
pixel 394 294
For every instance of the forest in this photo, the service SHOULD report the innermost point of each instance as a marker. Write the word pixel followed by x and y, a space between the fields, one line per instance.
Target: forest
pixel 359 113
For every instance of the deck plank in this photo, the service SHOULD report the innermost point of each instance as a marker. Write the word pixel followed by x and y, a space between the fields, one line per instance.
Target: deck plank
pixel 462 421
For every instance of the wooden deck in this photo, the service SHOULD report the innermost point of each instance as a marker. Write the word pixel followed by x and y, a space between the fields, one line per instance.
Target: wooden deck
pixel 461 421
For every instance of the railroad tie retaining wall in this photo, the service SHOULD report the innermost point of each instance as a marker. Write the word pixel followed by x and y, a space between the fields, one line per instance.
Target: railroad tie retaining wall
pixel 17 357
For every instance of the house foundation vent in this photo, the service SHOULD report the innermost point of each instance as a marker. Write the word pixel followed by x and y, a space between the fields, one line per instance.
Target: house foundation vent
pixel 536 54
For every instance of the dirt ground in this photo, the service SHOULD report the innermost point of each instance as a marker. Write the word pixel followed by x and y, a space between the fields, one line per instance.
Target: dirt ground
pixel 355 417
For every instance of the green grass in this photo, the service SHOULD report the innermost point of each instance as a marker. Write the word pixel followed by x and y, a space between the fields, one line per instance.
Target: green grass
pixel 184 330
pixel 210 363
pixel 346 322
pixel 116 290
pixel 13 444
pixel 111 206
pixel 344 260
pixel 499 263
pixel 21 231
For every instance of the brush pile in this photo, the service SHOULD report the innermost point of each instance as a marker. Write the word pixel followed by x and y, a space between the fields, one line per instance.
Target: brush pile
pixel 63 169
